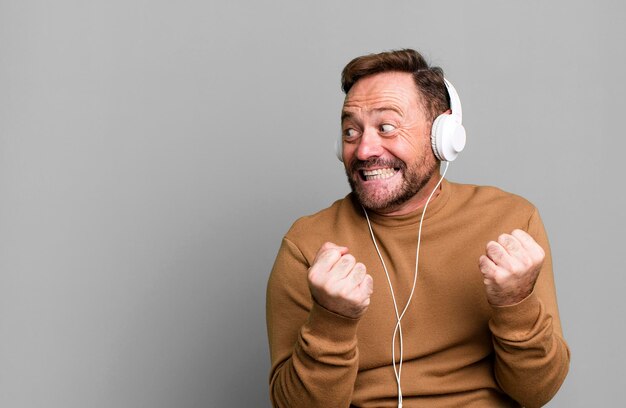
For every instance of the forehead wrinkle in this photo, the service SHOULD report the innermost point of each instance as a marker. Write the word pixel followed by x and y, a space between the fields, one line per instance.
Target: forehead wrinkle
pixel 354 106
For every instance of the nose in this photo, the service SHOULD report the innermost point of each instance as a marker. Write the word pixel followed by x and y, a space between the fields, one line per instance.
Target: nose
pixel 370 145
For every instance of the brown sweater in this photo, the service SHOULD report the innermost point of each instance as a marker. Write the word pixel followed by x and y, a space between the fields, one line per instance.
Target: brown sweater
pixel 458 350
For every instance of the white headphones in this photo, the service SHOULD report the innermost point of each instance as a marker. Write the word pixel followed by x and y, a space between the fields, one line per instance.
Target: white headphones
pixel 447 134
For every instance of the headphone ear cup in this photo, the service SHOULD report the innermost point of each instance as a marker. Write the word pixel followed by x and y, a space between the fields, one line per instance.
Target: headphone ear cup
pixel 339 148
pixel 447 138
pixel 435 136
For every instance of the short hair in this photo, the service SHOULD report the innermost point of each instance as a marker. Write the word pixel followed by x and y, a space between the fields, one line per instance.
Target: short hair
pixel 428 80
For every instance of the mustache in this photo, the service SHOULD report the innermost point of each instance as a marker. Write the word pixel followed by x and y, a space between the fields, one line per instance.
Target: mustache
pixel 356 164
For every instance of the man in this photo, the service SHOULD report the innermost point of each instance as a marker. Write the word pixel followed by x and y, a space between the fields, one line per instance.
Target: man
pixel 481 327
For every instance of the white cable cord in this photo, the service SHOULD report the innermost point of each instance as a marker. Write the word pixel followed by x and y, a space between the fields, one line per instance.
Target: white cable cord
pixel 398 329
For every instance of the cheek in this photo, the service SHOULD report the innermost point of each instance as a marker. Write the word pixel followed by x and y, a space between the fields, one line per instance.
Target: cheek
pixel 349 152
pixel 413 147
pixel 406 150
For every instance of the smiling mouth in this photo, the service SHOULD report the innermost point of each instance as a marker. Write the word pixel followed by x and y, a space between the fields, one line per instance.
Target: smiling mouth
pixel 378 174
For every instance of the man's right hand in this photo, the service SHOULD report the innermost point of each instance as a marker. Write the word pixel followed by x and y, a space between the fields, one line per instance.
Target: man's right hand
pixel 339 283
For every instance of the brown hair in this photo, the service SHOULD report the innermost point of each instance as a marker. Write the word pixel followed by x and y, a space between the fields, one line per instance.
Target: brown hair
pixel 428 80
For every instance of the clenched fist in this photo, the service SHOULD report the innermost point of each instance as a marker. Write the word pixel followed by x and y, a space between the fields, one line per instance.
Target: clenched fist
pixel 339 283
pixel 510 267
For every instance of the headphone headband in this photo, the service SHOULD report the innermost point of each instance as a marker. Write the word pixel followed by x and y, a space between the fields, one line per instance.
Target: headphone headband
pixel 455 101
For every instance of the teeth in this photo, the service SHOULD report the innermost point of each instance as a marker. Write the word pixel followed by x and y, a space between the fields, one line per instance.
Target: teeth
pixel 378 174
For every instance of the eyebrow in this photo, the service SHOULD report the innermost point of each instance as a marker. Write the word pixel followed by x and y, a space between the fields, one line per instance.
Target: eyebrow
pixel 347 115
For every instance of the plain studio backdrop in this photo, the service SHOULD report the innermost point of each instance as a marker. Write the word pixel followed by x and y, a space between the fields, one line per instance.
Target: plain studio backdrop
pixel 153 154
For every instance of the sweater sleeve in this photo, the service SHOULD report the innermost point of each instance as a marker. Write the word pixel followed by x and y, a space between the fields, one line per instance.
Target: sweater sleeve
pixel 532 358
pixel 313 351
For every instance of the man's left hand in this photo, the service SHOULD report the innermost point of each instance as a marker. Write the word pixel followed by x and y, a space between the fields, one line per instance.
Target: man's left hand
pixel 510 267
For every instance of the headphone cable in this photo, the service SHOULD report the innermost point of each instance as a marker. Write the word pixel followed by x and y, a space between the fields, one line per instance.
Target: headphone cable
pixel 398 328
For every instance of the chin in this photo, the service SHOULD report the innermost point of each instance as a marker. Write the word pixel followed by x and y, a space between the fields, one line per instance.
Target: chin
pixel 381 201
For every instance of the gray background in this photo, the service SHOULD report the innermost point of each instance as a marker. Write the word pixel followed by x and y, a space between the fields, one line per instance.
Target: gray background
pixel 153 153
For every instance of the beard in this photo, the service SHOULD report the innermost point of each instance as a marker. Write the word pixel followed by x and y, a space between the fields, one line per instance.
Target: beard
pixel 389 197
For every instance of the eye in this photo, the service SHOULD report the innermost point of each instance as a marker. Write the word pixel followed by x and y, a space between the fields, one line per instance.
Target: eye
pixel 386 128
pixel 350 134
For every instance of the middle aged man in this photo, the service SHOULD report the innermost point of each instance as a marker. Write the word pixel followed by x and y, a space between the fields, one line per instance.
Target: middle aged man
pixel 481 327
